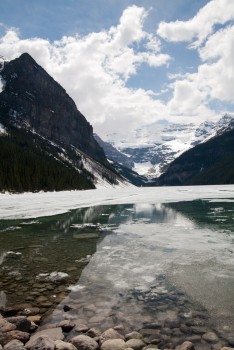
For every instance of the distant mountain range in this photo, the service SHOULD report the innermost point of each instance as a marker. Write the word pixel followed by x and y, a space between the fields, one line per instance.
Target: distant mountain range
pixel 154 147
pixel 47 144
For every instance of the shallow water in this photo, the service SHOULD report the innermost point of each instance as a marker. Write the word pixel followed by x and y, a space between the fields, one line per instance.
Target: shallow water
pixel 150 264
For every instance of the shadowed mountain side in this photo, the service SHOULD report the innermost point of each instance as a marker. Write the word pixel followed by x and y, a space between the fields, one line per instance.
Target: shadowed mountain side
pixel 33 99
pixel 209 163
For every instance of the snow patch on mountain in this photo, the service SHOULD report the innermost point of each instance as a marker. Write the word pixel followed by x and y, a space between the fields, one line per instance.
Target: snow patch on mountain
pixel 2 130
pixel 154 147
pixel 1 84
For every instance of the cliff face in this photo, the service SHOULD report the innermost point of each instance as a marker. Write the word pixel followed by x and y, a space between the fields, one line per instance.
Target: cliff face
pixel 31 98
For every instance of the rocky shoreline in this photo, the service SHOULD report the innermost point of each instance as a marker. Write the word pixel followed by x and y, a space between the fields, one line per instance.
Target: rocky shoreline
pixel 22 332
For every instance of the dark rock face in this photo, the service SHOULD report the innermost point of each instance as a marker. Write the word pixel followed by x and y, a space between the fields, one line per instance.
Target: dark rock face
pixel 33 99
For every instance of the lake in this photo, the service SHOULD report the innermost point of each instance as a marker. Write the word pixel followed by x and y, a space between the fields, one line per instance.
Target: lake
pixel 167 264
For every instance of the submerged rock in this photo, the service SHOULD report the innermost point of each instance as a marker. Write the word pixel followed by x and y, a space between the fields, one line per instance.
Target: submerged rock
pixel 66 325
pixel 52 333
pixel 210 337
pixel 110 334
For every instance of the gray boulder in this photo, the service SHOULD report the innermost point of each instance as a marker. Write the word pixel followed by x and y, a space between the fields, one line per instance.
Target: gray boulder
pixel 187 345
pixel 21 323
pixel 83 342
pixel 39 343
pixel 62 345
pixel 133 335
pixel 6 326
pixel 210 337
pixel 114 344
pixel 110 334
pixel 135 344
pixel 14 345
pixel 9 336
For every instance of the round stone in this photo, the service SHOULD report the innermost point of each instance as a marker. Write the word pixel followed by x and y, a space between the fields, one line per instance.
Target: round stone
pixel 135 344
pixel 114 344
pixel 83 342
pixel 210 337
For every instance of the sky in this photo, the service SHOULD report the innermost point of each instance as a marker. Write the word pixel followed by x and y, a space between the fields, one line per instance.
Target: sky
pixel 130 64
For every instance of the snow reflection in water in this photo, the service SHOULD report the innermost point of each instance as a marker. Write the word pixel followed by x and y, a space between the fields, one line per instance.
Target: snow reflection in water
pixel 157 262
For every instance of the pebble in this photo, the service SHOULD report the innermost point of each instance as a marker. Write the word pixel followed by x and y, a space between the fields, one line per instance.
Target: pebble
pixel 110 334
pixel 210 337
pixel 187 345
pixel 94 332
pixel 61 345
pixel 135 344
pixel 36 319
pixel 81 328
pixel 133 335
pixel 114 344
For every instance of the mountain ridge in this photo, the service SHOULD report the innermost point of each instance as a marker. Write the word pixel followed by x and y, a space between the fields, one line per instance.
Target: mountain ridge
pixel 152 158
pixel 34 104
pixel 52 115
pixel 208 163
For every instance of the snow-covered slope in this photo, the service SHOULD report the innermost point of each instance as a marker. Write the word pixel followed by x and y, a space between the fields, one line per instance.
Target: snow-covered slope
pixel 2 129
pixel 154 147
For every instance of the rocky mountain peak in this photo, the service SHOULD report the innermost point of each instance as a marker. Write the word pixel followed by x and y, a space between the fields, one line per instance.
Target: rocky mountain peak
pixel 32 99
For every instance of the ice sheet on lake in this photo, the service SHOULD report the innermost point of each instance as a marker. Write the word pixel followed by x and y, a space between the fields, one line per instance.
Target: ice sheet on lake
pixel 32 205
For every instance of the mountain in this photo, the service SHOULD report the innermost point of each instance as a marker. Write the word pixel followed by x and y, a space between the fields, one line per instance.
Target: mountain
pixel 153 147
pixel 209 163
pixel 45 136
pixel 122 164
pixel 32 98
pixel 113 154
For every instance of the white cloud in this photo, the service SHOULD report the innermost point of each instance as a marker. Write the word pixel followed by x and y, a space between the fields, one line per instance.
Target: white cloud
pixel 214 79
pixel 189 100
pixel 200 26
pixel 94 69
pixel 217 74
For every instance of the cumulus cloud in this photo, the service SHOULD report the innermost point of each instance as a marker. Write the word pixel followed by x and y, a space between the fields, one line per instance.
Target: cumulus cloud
pixel 94 68
pixel 200 26
pixel 214 78
pixel 216 75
